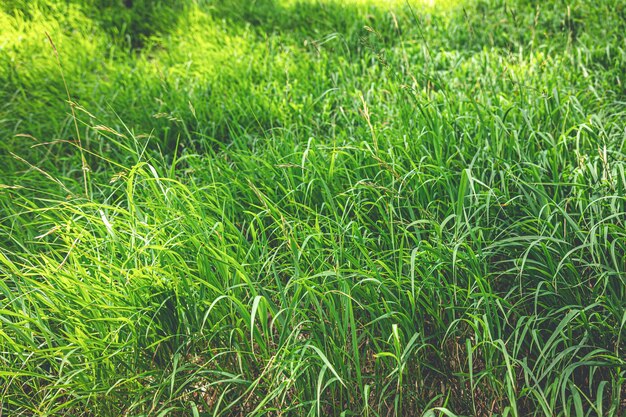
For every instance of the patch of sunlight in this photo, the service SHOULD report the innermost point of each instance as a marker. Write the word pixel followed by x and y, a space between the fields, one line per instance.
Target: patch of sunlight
pixel 201 48
pixel 23 42
pixel 431 5
pixel 416 4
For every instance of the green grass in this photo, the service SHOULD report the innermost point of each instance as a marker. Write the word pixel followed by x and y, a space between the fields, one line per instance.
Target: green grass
pixel 310 208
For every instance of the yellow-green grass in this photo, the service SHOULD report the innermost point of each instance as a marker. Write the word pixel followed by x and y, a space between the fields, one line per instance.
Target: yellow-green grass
pixel 310 208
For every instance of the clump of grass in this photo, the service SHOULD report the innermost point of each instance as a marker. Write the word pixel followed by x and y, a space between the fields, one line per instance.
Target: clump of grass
pixel 312 208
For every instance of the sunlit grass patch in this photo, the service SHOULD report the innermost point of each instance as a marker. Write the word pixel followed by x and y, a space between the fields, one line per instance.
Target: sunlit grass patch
pixel 312 208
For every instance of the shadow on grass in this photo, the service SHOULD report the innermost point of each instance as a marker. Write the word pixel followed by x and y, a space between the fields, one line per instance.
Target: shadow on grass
pixel 129 22
pixel 133 22
pixel 298 18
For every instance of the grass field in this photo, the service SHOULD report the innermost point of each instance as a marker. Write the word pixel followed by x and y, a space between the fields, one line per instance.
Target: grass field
pixel 313 208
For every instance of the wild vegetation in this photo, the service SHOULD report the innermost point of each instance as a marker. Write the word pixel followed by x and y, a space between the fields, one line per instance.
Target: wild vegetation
pixel 312 207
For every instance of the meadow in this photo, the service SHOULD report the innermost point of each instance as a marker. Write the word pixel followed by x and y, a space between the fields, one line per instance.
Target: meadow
pixel 313 208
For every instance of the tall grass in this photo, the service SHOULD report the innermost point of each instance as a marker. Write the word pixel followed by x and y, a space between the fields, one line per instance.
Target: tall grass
pixel 312 208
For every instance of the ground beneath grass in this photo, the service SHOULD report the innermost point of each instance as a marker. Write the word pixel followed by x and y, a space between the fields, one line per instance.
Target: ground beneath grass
pixel 312 208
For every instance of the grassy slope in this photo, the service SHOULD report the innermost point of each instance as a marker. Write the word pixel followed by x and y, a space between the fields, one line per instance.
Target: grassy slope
pixel 309 208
